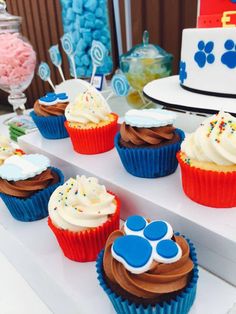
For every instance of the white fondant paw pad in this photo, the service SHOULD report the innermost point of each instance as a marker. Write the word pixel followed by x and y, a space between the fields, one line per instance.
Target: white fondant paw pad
pixel 149 118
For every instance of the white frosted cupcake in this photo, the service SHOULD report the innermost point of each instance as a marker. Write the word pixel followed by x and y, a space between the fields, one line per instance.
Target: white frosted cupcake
pixel 82 214
pixel 90 123
pixel 208 162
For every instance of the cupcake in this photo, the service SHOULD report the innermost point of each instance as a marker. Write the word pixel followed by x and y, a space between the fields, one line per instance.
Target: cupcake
pixel 49 115
pixel 208 162
pixel 82 214
pixel 148 142
pixel 90 123
pixel 7 149
pixel 26 184
pixel 146 268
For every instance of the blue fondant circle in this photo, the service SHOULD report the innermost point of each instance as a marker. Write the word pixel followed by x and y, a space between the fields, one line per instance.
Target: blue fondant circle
pixel 156 230
pixel 209 47
pixel 167 248
pixel 134 250
pixel 136 223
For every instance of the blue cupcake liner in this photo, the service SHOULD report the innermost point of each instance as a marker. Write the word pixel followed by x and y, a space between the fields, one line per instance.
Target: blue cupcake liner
pixel 150 162
pixel 34 207
pixel 50 127
pixel 180 304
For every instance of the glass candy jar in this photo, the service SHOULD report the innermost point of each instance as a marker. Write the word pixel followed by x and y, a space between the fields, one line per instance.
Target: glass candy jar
pixel 143 64
pixel 17 59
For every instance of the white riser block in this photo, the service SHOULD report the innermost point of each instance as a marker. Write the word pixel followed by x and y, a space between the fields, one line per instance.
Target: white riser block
pixel 213 230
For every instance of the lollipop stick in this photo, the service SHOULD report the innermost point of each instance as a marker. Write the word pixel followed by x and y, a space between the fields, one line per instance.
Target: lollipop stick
pixel 93 74
pixel 73 65
pixel 109 96
pixel 51 83
pixel 61 73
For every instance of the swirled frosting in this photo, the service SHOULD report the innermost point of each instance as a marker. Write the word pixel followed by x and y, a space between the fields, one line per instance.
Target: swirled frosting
pixel 26 188
pixel 6 149
pixel 214 141
pixel 146 136
pixel 80 204
pixel 157 284
pixel 88 107
pixel 53 110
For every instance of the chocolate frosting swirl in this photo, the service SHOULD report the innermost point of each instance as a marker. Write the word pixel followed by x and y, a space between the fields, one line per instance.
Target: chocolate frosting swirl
pixel 26 188
pixel 148 136
pixel 53 110
pixel 160 279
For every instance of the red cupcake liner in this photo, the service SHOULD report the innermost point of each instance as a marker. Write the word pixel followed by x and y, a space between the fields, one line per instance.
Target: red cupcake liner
pixel 209 188
pixel 93 141
pixel 84 246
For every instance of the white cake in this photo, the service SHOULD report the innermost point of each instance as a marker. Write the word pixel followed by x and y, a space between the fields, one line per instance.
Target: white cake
pixel 208 61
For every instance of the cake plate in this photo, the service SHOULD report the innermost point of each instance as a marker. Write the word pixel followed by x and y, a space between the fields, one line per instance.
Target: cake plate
pixel 169 93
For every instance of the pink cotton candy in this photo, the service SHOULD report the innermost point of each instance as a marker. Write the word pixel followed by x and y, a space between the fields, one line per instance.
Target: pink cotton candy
pixel 17 60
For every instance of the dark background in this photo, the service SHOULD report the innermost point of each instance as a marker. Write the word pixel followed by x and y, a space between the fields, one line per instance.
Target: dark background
pixel 164 19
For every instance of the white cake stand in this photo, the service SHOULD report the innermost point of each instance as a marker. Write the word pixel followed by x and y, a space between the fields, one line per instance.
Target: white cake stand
pixel 169 93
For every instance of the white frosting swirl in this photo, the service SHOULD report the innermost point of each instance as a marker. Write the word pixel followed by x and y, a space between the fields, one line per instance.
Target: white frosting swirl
pixel 214 141
pixel 6 149
pixel 88 107
pixel 80 204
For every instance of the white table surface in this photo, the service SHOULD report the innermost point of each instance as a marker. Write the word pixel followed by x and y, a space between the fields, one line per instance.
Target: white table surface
pixel 214 296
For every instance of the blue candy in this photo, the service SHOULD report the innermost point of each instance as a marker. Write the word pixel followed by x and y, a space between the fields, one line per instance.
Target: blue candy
pixel 91 5
pixel 99 12
pixel 77 6
pixel 99 23
pixel 87 20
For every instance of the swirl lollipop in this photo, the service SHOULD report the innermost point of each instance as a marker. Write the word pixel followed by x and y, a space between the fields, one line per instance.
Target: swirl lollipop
pixel 44 72
pixel 69 48
pixel 56 59
pixel 120 85
pixel 98 55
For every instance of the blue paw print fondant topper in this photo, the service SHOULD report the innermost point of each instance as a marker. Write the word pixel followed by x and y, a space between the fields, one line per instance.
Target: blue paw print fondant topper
pixel 204 54
pixel 144 243
pixel 182 71
pixel 52 99
pixel 229 57
pixel 23 167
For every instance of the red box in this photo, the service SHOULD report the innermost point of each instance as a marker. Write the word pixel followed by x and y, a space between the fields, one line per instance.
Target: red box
pixel 217 13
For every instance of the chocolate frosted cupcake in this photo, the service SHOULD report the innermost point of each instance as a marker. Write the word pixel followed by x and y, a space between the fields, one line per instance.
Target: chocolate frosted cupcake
pixel 148 143
pixel 26 183
pixel 49 115
pixel 148 269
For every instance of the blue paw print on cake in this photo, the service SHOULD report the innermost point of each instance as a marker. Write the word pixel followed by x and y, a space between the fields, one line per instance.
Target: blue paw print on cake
pixel 182 72
pixel 204 54
pixel 144 243
pixel 229 57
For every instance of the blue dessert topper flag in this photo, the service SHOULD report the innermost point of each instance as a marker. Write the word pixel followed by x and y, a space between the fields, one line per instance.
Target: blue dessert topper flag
pixel 45 73
pixel 56 59
pixel 98 55
pixel 69 48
